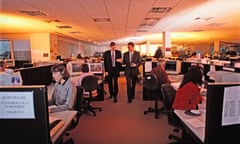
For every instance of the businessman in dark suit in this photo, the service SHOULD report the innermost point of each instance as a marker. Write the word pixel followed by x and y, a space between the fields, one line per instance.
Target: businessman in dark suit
pixel 112 65
pixel 132 61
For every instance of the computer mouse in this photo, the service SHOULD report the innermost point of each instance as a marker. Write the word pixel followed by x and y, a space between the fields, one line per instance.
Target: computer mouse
pixel 196 112
pixel 193 112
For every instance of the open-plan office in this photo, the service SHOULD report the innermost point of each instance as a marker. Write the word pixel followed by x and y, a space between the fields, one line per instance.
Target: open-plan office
pixel 35 36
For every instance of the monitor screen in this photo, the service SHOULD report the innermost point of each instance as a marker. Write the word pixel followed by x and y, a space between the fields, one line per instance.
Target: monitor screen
pixel 24 115
pixel 96 68
pixel 173 66
pixel 74 67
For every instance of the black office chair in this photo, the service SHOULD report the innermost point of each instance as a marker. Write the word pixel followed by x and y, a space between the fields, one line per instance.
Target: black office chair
pixel 169 93
pixel 89 84
pixel 150 83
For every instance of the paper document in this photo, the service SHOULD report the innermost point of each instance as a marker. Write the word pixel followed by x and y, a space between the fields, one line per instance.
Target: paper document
pixel 195 122
pixel 231 106
pixel 148 66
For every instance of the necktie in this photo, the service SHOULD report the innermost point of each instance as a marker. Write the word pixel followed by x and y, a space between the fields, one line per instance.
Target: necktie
pixel 131 54
pixel 113 58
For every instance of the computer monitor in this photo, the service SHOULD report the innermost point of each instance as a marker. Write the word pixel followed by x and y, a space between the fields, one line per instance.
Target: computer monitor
pixel 75 67
pixel 173 66
pixel 24 115
pixel 96 68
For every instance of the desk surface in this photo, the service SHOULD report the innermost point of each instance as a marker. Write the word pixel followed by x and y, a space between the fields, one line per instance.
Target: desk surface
pixel 199 128
pixel 67 117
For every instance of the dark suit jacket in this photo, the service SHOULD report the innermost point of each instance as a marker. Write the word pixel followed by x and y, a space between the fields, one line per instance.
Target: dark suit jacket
pixel 131 71
pixel 108 60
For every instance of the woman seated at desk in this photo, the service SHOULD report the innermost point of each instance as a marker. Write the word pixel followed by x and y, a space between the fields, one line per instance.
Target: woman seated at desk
pixel 64 94
pixel 188 95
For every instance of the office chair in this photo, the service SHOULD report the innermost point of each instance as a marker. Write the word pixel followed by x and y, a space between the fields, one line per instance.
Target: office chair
pixel 150 83
pixel 169 93
pixel 89 84
pixel 78 108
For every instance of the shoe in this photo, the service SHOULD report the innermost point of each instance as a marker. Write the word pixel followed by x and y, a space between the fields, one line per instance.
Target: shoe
pixel 110 96
pixel 129 101
pixel 115 100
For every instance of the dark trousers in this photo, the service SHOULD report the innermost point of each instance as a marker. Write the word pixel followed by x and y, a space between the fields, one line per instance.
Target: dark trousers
pixel 113 83
pixel 131 83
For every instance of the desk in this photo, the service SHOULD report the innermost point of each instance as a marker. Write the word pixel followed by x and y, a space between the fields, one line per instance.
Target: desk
pixel 67 117
pixel 199 132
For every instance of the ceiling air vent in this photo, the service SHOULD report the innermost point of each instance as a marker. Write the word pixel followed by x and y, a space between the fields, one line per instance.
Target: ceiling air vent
pixel 160 9
pixel 64 27
pixel 101 19
pixel 142 31
pixel 34 12
pixel 215 24
pixel 75 32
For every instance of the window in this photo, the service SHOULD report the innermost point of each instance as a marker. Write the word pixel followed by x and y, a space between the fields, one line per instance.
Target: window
pixel 5 49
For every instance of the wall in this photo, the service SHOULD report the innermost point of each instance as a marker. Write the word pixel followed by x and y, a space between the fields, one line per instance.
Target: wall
pixel 40 47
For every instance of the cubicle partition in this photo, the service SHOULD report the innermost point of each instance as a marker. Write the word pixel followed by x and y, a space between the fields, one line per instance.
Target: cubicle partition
pixel 24 115
pixel 222 113
pixel 36 75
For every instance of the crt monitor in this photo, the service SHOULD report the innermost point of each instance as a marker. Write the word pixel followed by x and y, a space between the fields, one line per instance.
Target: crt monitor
pixel 74 67
pixel 24 115
pixel 173 66
pixel 96 68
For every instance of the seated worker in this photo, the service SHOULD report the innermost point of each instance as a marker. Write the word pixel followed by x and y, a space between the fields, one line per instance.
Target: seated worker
pixel 158 53
pixel 64 93
pixel 188 95
pixel 161 75
pixel 85 70
pixel 8 77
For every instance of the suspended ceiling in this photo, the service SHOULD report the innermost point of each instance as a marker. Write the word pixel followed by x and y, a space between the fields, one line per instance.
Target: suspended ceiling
pixel 100 21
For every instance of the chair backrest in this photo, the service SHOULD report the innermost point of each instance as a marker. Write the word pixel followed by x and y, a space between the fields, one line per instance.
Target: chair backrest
pixel 77 107
pixel 168 93
pixel 150 81
pixel 79 98
pixel 90 83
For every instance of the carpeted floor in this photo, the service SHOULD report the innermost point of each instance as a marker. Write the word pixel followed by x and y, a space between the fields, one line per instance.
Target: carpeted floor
pixel 122 122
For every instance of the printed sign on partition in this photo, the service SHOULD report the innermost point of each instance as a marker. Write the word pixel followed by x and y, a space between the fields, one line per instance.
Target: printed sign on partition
pixel 16 105
pixel 231 106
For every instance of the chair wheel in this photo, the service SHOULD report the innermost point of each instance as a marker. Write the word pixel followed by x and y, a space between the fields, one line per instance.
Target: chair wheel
pixel 144 112
pixel 170 137
pixel 100 109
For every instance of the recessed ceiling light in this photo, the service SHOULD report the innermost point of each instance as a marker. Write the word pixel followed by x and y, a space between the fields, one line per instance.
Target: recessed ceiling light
pixel 101 19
